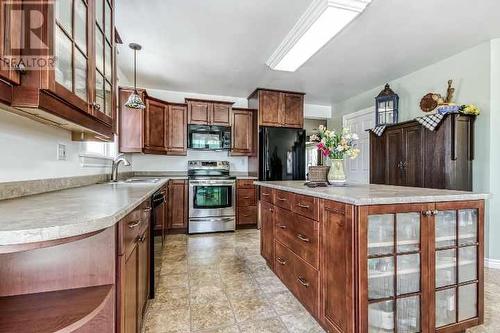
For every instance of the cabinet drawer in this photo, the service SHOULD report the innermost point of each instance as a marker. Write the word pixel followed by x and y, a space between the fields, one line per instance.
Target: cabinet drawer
pixel 299 234
pixel 298 276
pixel 132 226
pixel 247 215
pixel 306 206
pixel 267 194
pixel 283 199
pixel 246 183
pixel 246 197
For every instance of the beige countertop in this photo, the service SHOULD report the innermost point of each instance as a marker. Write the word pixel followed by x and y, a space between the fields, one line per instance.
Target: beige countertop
pixel 364 194
pixel 71 212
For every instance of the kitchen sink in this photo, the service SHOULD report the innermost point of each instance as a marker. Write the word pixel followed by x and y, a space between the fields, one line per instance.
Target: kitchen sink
pixel 136 181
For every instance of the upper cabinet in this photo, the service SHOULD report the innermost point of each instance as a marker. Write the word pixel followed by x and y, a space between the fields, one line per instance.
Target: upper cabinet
pixel 244 132
pixel 10 40
pixel 78 89
pixel 205 112
pixel 161 128
pixel 278 108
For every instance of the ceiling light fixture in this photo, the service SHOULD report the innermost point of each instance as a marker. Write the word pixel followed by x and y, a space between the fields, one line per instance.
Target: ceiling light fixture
pixel 134 100
pixel 322 20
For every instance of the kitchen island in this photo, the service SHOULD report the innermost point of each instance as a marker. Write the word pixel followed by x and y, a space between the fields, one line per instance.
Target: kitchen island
pixel 377 258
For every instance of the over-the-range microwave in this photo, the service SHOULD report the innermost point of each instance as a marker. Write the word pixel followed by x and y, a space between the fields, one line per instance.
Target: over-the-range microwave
pixel 205 137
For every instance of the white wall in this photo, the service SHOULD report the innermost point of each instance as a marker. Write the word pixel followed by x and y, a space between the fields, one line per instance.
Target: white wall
pixel 28 150
pixel 472 73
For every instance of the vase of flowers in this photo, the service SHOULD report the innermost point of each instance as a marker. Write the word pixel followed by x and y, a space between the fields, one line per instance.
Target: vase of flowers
pixel 336 146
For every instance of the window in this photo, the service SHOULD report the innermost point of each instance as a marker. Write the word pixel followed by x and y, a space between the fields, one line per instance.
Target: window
pixel 98 154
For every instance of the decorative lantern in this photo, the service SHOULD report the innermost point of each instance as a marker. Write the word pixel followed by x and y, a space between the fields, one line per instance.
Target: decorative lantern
pixel 386 107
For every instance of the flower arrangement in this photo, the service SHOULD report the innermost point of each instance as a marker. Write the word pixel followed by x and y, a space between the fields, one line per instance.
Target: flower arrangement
pixel 470 109
pixel 336 146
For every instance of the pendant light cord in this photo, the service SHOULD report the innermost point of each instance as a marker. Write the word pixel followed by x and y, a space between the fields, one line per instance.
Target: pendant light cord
pixel 135 71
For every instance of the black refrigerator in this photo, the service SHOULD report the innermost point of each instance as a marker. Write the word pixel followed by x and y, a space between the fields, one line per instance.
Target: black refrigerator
pixel 282 153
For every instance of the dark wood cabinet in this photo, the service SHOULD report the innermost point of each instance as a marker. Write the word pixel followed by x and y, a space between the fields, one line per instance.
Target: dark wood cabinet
pixel 177 129
pixel 177 205
pixel 407 154
pixel 412 267
pixel 244 132
pixel 130 301
pixel 78 92
pixel 143 262
pixel 10 37
pixel 246 203
pixel 206 112
pixel 278 108
pixel 155 126
pixel 267 233
pixel 161 128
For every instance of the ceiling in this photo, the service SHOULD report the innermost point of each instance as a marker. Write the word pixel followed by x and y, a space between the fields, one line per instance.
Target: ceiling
pixel 220 47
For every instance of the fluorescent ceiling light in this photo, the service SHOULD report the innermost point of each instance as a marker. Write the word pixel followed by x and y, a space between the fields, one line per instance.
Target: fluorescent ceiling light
pixel 322 20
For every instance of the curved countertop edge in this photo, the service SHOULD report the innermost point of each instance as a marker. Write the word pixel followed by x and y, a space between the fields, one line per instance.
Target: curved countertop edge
pixel 51 233
pixel 446 195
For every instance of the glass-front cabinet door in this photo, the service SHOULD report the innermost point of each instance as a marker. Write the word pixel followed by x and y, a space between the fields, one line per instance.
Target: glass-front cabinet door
pixel 458 284
pixel 395 268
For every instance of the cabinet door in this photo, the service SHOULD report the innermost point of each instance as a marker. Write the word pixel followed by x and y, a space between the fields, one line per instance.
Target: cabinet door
pixel 143 276
pixel 457 262
pixel 337 303
pixel 394 268
pixel 177 197
pixel 10 40
pixel 220 114
pixel 104 58
pixel 130 291
pixel 394 172
pixel 199 112
pixel 131 133
pixel 155 123
pixel 413 156
pixel 72 50
pixel 267 232
pixel 177 130
pixel 292 110
pixel 243 133
pixel 269 108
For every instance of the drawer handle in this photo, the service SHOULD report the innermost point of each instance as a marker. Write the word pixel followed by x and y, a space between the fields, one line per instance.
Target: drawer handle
pixel 281 260
pixel 265 194
pixel 303 282
pixel 147 210
pixel 134 224
pixel 271 210
pixel 246 197
pixel 281 199
pixel 142 238
pixel 246 215
pixel 303 206
pixel 303 238
pixel 282 226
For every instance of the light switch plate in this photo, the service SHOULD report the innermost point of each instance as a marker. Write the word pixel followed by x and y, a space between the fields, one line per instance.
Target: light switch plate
pixel 61 152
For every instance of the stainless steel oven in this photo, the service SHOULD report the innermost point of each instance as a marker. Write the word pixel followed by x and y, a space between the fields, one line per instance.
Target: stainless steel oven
pixel 212 196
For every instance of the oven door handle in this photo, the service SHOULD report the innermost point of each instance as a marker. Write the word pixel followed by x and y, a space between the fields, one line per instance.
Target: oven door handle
pixel 216 219
pixel 205 183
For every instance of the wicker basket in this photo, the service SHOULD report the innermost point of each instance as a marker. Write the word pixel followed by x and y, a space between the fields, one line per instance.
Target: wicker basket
pixel 318 173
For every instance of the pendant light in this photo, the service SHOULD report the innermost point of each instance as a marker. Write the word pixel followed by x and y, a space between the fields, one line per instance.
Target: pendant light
pixel 134 100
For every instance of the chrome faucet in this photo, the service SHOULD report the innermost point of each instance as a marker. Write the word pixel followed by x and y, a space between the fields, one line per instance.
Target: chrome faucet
pixel 114 168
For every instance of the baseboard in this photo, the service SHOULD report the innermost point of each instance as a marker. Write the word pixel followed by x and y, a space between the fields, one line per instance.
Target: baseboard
pixel 492 263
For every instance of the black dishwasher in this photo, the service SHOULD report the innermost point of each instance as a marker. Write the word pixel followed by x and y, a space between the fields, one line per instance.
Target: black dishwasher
pixel 158 202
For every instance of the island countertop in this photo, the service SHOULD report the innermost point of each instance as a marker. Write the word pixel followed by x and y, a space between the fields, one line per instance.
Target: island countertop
pixel 371 194
pixel 71 212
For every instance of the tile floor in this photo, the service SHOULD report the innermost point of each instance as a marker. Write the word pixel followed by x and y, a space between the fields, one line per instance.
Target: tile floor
pixel 219 283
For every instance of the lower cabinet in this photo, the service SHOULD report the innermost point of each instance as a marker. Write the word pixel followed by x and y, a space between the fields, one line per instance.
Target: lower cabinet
pixel 246 203
pixel 414 267
pixel 178 205
pixel 133 268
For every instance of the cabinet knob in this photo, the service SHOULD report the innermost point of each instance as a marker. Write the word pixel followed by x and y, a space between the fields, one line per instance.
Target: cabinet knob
pixel 96 106
pixel 281 260
pixel 435 212
pixel 427 213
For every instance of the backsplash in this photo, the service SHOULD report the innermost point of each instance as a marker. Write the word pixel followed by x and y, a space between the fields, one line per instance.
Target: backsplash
pixel 141 162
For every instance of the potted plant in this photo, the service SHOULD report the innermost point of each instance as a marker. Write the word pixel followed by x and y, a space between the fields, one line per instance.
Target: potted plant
pixel 336 147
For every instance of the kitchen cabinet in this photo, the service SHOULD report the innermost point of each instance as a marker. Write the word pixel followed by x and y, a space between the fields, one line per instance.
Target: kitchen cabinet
pixel 278 108
pixel 246 203
pixel 206 112
pixel 133 268
pixel 178 205
pixel 407 154
pixel 10 40
pixel 77 93
pixel 413 267
pixel 244 132
pixel 161 128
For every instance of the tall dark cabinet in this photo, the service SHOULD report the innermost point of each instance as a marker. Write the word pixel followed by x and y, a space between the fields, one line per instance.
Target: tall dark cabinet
pixel 408 154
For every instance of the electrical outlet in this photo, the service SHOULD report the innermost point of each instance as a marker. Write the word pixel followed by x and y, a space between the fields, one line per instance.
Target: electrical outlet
pixel 61 152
